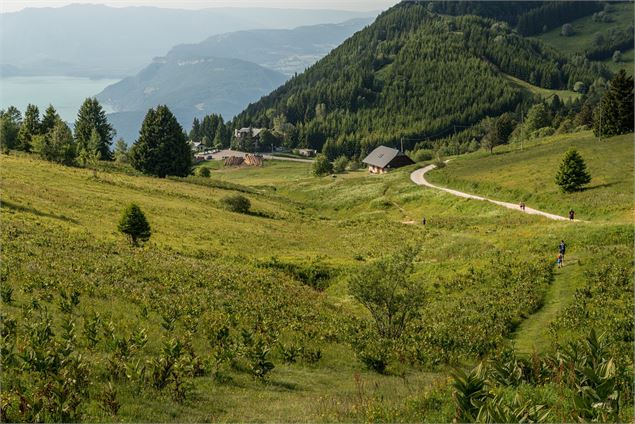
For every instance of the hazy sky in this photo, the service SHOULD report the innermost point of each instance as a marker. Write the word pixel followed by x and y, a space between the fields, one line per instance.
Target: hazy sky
pixel 15 5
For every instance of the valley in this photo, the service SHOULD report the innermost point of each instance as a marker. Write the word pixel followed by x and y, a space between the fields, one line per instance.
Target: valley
pixel 423 214
pixel 211 263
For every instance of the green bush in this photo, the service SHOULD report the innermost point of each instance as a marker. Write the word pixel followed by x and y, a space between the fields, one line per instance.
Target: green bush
pixel 340 164
pixel 236 203
pixel 354 165
pixel 422 155
pixel 202 171
pixel 321 166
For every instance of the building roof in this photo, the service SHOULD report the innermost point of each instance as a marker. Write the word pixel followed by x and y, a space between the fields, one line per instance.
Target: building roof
pixel 381 156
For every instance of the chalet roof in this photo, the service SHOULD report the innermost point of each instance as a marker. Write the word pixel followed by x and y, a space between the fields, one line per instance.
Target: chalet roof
pixel 381 156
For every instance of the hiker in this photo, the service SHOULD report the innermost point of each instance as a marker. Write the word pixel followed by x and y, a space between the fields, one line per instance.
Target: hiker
pixel 522 205
pixel 559 260
pixel 423 221
pixel 562 249
pixel 571 215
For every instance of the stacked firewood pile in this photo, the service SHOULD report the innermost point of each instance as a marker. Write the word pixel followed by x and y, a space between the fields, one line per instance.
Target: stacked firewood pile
pixel 234 161
pixel 253 160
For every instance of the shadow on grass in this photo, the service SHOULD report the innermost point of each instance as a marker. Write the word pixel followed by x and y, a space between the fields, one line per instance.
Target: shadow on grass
pixel 28 209
pixel 287 386
pixel 260 214
pixel 599 186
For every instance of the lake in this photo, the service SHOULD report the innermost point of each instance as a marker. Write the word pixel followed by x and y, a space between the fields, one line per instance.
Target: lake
pixel 66 94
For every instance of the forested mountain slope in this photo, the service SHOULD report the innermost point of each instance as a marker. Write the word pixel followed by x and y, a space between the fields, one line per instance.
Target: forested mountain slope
pixel 414 73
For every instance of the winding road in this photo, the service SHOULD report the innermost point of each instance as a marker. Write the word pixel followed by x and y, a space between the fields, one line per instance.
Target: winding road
pixel 418 177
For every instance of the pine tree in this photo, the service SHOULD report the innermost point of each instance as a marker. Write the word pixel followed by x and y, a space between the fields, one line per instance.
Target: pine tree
pixel 30 127
pixel 162 148
pixel 49 119
pixel 134 224
pixel 572 174
pixel 614 115
pixel 58 144
pixel 195 132
pixel 89 151
pixel 10 121
pixel 121 151
pixel 92 116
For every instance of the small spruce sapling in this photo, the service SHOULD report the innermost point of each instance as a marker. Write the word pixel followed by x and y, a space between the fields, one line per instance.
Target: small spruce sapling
pixel 134 224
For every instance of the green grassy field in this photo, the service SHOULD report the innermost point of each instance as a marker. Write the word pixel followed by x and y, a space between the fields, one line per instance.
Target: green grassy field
pixel 544 92
pixel 206 279
pixel 585 28
pixel 532 177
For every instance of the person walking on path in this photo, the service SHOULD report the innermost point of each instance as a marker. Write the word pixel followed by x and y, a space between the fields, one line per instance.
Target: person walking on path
pixel 571 215
pixel 559 260
pixel 562 249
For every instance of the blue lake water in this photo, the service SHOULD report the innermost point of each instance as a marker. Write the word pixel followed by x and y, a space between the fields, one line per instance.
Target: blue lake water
pixel 66 94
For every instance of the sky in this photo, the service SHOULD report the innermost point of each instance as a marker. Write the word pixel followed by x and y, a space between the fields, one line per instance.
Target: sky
pixel 357 5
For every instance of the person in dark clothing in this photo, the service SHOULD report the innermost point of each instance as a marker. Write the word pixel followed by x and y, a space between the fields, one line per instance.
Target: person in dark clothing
pixel 571 214
pixel 423 221
pixel 562 248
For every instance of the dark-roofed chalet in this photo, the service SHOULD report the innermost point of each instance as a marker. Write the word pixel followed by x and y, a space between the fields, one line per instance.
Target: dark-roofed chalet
pixel 383 159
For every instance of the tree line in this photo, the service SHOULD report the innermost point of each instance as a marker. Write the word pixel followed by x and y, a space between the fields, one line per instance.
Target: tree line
pixel 160 150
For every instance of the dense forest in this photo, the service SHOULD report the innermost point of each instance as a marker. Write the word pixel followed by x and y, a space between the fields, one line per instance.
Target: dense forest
pixel 528 17
pixel 412 75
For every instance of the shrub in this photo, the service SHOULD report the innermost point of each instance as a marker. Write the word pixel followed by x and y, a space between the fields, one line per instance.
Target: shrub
pixel 354 165
pixel 567 30
pixel 579 87
pixel 134 224
pixel 617 56
pixel 340 164
pixel 423 155
pixel 322 166
pixel 387 290
pixel 236 203
pixel 202 172
pixel 543 132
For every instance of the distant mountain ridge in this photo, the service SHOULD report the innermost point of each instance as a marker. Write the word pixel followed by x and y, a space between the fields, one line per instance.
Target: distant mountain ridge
pixel 285 50
pixel 101 41
pixel 222 74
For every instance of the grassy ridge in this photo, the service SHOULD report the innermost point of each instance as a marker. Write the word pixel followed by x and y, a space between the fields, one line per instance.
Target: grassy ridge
pixel 514 175
pixel 585 28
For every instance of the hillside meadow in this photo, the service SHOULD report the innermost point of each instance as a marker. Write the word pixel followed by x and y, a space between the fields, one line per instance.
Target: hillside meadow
pixel 247 317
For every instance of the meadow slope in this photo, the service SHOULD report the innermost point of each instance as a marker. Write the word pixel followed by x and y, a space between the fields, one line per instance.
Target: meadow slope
pixel 215 289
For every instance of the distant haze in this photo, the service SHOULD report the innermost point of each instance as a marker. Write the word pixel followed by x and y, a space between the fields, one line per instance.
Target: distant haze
pixel 357 5
pixel 81 40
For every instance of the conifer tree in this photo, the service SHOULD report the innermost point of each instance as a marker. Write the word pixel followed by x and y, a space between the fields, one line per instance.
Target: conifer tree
pixel 57 145
pixel 572 174
pixel 121 151
pixel 49 119
pixel 30 127
pixel 614 115
pixel 89 151
pixel 134 224
pixel 92 116
pixel 162 148
pixel 10 121
pixel 195 132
